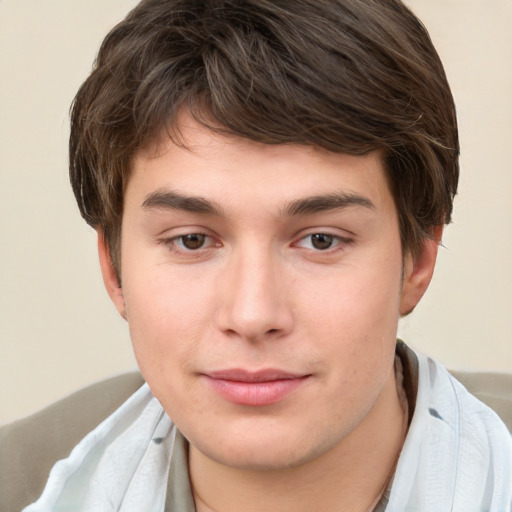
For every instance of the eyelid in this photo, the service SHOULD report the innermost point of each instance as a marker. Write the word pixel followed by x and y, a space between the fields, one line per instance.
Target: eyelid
pixel 181 241
pixel 341 240
pixel 170 239
pixel 180 237
pixel 171 232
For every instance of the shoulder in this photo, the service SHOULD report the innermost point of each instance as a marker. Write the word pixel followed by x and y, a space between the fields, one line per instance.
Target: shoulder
pixel 29 447
pixel 458 452
pixel 475 444
pixel 477 414
pixel 493 389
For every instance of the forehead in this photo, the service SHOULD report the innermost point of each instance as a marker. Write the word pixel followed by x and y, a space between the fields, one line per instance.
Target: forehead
pixel 223 167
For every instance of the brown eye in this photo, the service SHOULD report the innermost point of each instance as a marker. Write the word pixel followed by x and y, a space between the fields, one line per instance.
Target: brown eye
pixel 321 241
pixel 193 241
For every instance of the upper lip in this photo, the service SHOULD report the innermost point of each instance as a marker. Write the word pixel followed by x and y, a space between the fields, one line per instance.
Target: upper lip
pixel 241 375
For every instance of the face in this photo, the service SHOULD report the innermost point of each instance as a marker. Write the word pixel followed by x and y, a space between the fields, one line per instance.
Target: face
pixel 262 286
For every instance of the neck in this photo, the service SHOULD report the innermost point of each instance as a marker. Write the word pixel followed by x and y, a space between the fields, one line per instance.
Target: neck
pixel 352 475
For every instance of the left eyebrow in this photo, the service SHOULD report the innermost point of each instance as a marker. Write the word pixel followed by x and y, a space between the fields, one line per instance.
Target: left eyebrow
pixel 164 199
pixel 321 203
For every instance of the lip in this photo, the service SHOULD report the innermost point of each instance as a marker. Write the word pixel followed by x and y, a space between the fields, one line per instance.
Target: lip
pixel 263 387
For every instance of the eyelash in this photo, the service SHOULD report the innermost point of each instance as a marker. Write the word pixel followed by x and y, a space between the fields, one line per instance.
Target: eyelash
pixel 172 244
pixel 175 243
pixel 338 241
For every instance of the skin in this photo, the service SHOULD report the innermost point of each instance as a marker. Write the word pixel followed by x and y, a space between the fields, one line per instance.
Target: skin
pixel 259 291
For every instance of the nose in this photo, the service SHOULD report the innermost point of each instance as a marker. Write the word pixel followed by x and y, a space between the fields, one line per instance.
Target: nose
pixel 254 297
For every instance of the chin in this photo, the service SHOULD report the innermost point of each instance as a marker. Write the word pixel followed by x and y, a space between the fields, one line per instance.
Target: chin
pixel 262 459
pixel 278 450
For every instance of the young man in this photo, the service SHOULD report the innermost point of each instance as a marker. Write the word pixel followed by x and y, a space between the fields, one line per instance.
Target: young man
pixel 269 182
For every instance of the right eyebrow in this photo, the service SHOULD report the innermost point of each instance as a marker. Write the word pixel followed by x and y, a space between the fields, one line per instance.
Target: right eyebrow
pixel 171 200
pixel 322 203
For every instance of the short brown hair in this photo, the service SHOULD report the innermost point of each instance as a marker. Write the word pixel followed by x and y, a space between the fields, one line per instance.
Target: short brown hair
pixel 346 75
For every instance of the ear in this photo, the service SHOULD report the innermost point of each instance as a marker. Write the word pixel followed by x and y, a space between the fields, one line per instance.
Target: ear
pixel 418 272
pixel 110 278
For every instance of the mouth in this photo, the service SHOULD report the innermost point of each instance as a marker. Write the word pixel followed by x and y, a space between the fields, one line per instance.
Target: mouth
pixel 264 387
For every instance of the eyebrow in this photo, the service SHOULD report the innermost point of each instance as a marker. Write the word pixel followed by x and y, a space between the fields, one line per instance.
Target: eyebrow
pixel 171 200
pixel 321 203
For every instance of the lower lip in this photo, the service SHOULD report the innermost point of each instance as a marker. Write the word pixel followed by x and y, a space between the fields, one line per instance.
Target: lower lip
pixel 255 393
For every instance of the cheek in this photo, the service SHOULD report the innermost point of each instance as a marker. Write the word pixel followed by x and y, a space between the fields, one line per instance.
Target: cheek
pixel 363 298
pixel 163 333
pixel 353 316
pixel 165 317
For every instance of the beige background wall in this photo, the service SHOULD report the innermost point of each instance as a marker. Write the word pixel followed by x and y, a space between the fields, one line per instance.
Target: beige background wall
pixel 58 330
